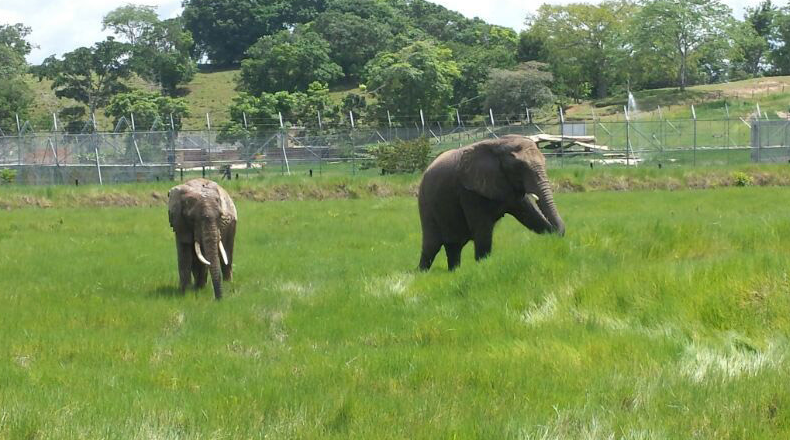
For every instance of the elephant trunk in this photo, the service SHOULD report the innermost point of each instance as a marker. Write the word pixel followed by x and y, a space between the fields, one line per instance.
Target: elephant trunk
pixel 210 244
pixel 546 204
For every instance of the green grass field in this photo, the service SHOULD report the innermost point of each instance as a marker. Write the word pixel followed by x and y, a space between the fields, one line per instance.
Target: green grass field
pixel 659 315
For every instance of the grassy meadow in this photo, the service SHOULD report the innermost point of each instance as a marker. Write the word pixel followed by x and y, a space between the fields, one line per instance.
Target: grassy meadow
pixel 659 315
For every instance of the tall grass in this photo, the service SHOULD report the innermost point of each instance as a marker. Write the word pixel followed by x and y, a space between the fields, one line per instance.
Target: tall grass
pixel 659 315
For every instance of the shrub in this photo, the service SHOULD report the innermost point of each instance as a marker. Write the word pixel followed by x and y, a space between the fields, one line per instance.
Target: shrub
pixel 742 179
pixel 403 156
pixel 7 175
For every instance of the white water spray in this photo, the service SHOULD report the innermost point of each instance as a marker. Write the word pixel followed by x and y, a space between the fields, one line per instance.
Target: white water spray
pixel 632 108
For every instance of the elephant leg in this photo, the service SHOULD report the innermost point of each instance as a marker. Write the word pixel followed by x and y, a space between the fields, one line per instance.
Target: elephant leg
pixel 430 247
pixel 184 265
pixel 528 215
pixel 200 273
pixel 482 237
pixel 453 251
pixel 227 242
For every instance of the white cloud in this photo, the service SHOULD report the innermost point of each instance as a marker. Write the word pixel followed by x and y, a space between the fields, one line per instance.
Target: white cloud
pixel 60 26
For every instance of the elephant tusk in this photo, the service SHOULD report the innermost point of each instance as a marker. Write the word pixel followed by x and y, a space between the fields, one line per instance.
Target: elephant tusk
pixel 222 252
pixel 534 197
pixel 200 255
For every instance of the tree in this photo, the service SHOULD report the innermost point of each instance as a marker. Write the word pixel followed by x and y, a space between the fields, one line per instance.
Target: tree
pixel 15 99
pixel 287 60
pixel 780 51
pixel 353 40
pixel 419 76
pixel 586 44
pixel 13 48
pixel 160 49
pixel 15 95
pixel 262 112
pixel 224 29
pixel 146 107
pixel 131 21
pixel 748 52
pixel 509 91
pixel 162 56
pixel 89 75
pixel 677 30
pixel 530 47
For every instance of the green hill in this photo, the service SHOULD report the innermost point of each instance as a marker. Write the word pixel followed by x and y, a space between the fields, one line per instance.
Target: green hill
pixel 772 93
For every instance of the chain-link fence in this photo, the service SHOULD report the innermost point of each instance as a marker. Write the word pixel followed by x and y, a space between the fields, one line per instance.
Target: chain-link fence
pixel 107 157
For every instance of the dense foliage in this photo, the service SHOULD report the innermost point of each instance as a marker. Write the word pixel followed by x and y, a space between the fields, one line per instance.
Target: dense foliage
pixel 151 111
pixel 403 156
pixel 15 94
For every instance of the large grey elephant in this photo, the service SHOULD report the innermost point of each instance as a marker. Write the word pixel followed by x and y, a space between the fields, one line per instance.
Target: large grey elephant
pixel 464 192
pixel 203 218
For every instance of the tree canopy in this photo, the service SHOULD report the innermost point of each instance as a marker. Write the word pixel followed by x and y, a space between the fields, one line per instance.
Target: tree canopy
pixel 418 77
pixel 289 61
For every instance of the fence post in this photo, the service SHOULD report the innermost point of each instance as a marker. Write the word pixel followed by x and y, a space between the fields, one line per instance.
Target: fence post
pixel 627 136
pixel 283 140
pixel 562 136
pixel 727 111
pixel 422 119
pixel 208 139
pixel 19 139
pixel 172 150
pixel 54 145
pixel 351 140
pixel 694 115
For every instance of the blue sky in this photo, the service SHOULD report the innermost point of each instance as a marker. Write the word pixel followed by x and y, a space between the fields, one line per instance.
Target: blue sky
pixel 62 25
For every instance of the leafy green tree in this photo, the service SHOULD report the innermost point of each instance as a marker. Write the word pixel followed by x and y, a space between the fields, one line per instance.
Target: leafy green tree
pixel 508 91
pixel 89 75
pixel 262 112
pixel 780 51
pixel 223 30
pixel 14 47
pixel 146 107
pixel 530 47
pixel 419 76
pixel 748 51
pixel 15 99
pixel 287 61
pixel 353 40
pixel 678 31
pixel 586 44
pixel 131 21
pixel 162 56
pixel 160 48
pixel 15 95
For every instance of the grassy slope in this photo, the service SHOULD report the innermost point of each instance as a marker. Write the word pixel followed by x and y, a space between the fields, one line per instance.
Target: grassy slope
pixel 772 93
pixel 659 315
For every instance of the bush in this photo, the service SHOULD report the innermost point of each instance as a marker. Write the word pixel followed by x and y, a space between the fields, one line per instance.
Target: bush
pixel 7 175
pixel 403 156
pixel 742 179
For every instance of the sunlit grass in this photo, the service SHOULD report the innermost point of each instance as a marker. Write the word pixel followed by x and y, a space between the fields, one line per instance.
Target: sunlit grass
pixel 658 315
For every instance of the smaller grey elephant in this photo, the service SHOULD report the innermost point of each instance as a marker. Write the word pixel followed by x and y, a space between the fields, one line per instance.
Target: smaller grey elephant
pixel 203 218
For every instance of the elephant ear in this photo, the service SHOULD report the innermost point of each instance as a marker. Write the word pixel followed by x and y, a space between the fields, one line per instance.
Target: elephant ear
pixel 226 207
pixel 481 171
pixel 181 199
